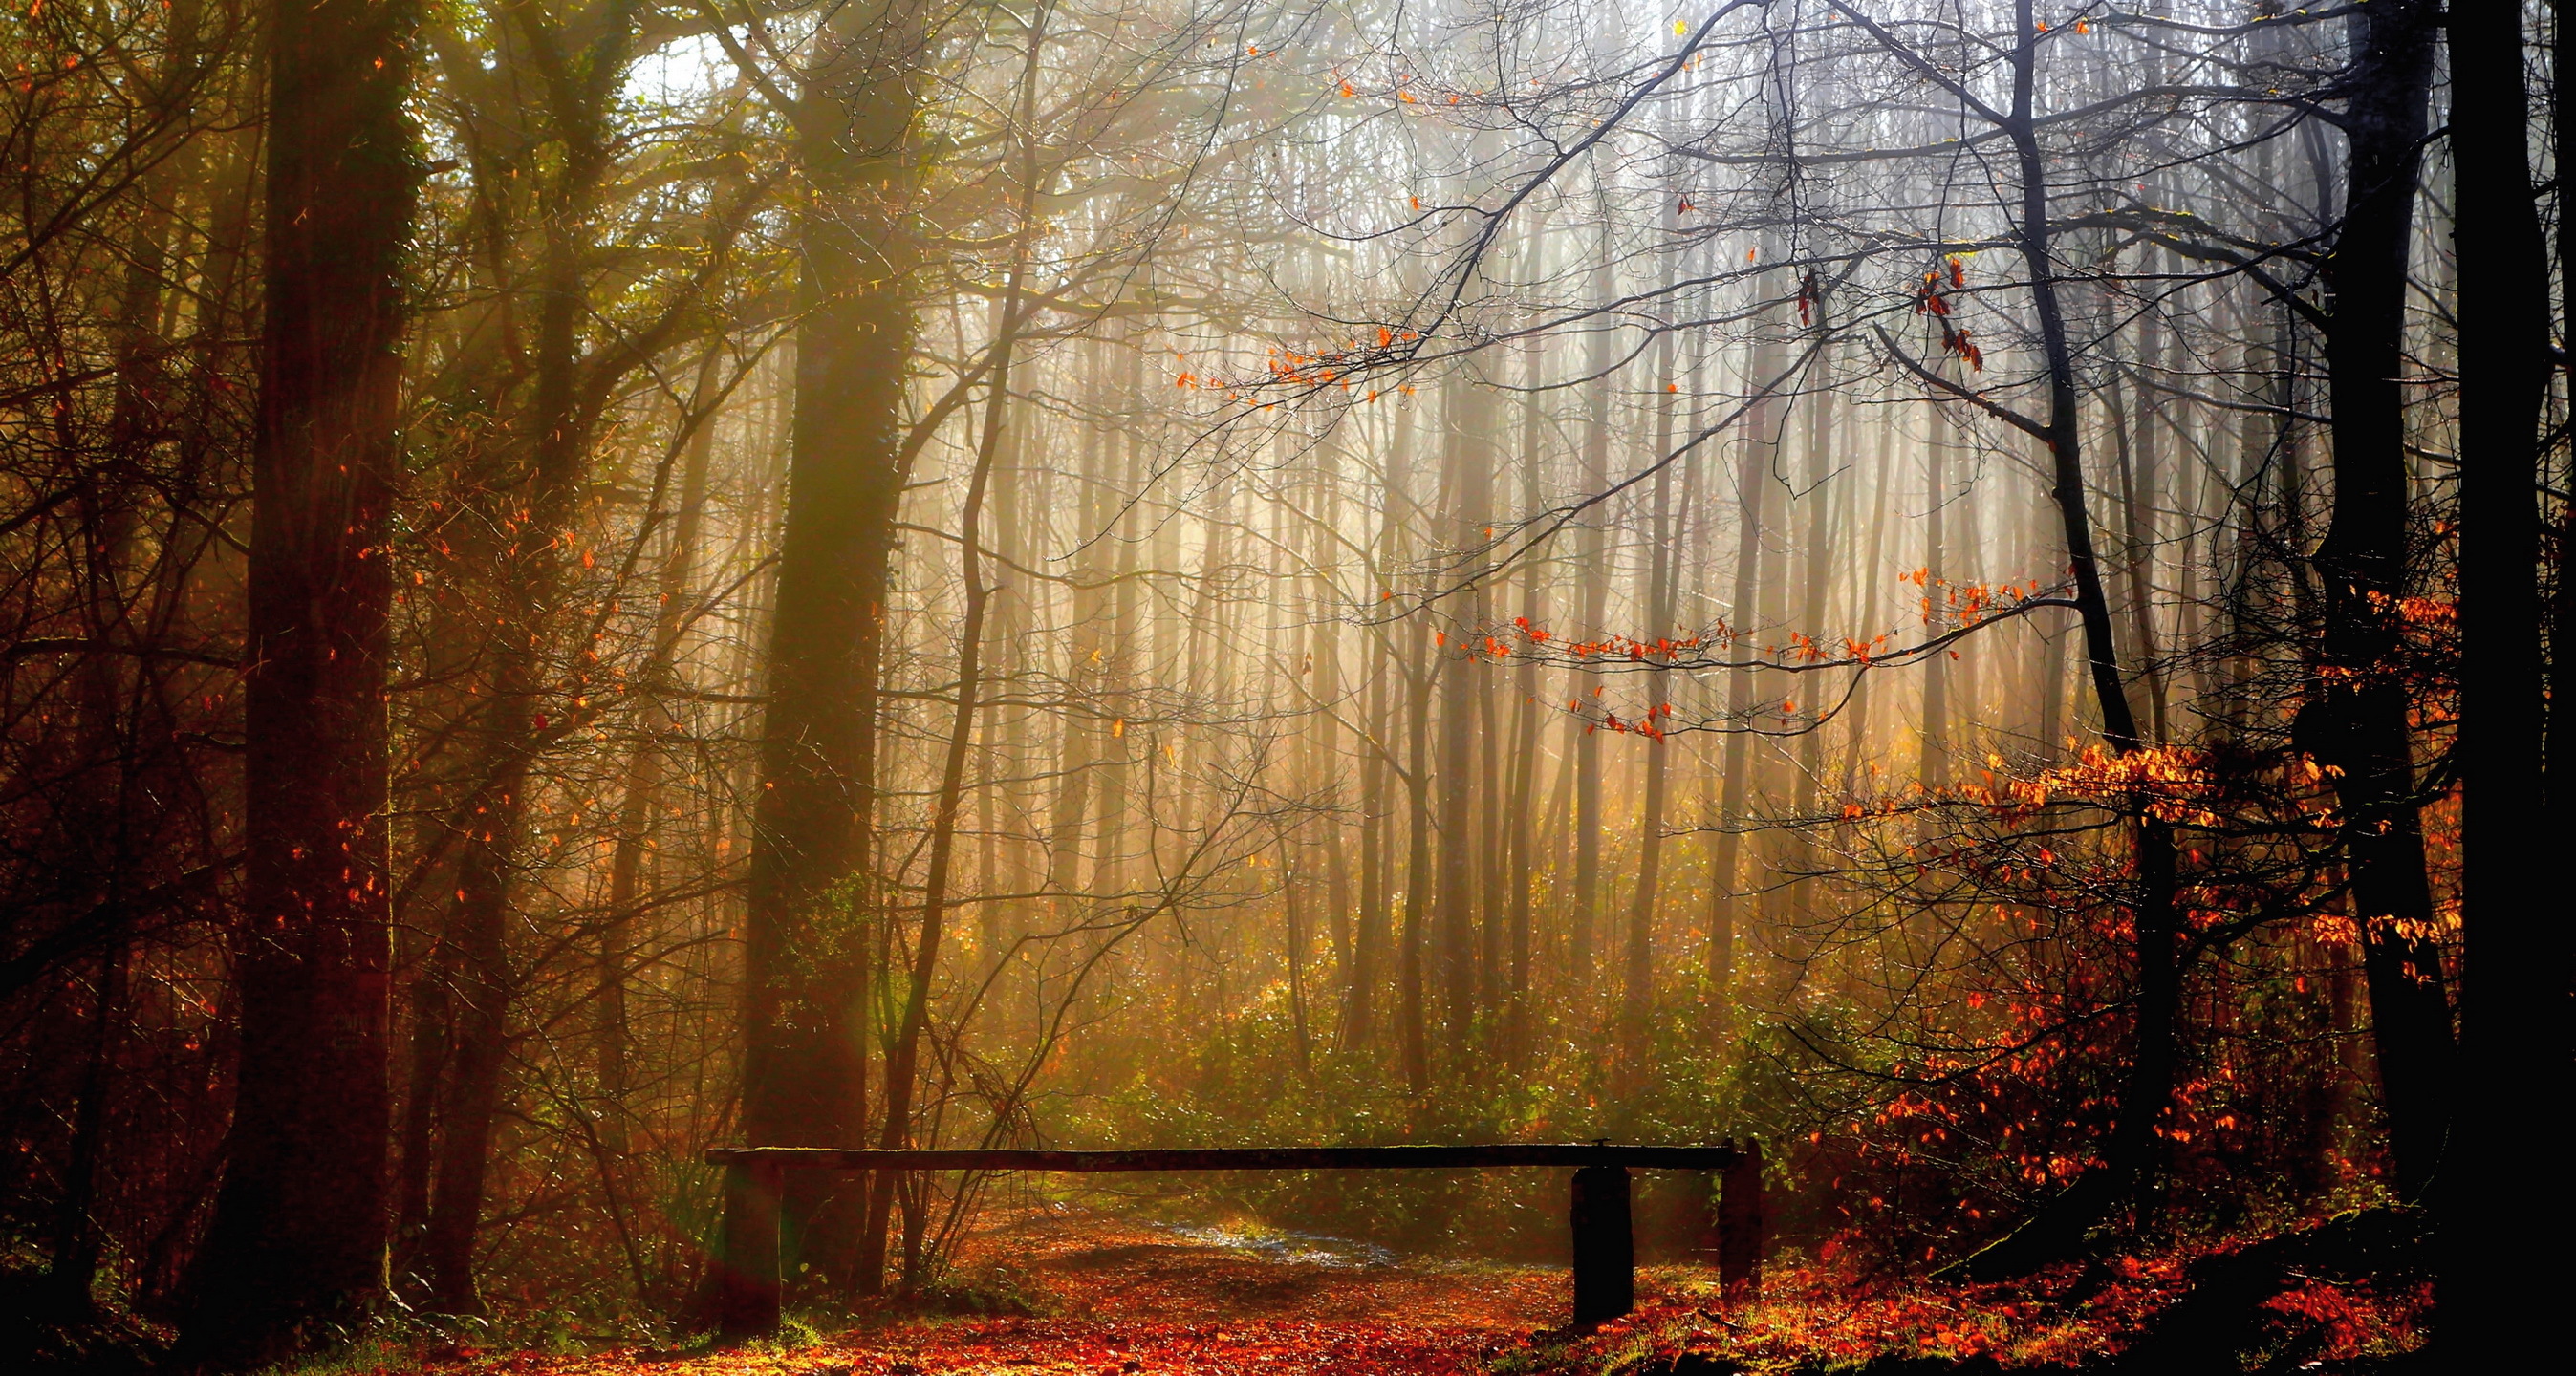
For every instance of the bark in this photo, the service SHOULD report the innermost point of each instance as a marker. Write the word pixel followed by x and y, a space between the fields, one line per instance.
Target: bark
pixel 1119 664
pixel 2495 1294
pixel 1872 568
pixel 2139 481
pixel 2358 720
pixel 810 903
pixel 1817 558
pixel 299 1230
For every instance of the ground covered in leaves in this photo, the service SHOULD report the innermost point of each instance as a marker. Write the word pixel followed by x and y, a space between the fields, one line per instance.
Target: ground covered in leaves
pixel 1111 1296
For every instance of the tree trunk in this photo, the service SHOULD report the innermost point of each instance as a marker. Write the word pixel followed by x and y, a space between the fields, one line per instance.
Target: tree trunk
pixel 1637 976
pixel 2358 720
pixel 810 901
pixel 299 1230
pixel 1368 947
pixel 1933 733
pixel 1469 458
pixel 2496 1295
pixel 1753 480
pixel 2146 1089
pixel 1583 906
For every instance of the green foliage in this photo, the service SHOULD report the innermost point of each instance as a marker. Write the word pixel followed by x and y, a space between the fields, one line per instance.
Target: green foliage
pixel 1240 1088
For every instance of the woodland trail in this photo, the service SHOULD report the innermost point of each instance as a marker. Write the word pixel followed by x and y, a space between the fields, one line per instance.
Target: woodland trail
pixel 1118 1296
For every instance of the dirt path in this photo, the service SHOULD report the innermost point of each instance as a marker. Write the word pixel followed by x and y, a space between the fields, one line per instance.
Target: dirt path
pixel 1120 1298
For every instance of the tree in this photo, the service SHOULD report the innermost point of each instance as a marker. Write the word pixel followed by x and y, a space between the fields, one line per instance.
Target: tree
pixel 2516 972
pixel 811 907
pixel 298 1238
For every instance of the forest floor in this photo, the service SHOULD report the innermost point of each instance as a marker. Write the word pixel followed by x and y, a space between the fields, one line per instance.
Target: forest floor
pixel 1119 1297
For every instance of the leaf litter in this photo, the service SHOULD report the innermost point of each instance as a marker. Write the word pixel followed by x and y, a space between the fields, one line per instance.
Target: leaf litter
pixel 1125 1297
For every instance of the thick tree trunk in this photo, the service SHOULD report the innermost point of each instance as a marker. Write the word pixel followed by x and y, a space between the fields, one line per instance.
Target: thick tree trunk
pixel 2358 721
pixel 299 1232
pixel 2496 1292
pixel 810 902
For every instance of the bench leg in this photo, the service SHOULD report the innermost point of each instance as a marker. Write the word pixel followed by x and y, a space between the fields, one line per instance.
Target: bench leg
pixel 747 1279
pixel 1605 1253
pixel 1739 1227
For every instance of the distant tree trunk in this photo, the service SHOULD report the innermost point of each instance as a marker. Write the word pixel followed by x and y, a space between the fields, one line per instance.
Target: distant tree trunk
pixel 1331 758
pixel 1873 572
pixel 1637 977
pixel 509 731
pixel 1296 962
pixel 299 1230
pixel 641 804
pixel 512 729
pixel 1468 455
pixel 1816 559
pixel 1410 1012
pixel 1583 915
pixel 1078 748
pixel 1368 948
pixel 119 735
pixel 1933 766
pixel 2358 719
pixel 2138 483
pixel 1756 452
pixel 2497 1296
pixel 1124 630
pixel 1525 735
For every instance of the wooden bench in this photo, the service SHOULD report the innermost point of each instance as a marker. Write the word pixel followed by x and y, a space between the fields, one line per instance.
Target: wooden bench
pixel 1604 1240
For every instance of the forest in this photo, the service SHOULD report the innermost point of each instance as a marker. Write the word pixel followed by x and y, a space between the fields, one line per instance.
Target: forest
pixel 1883 585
